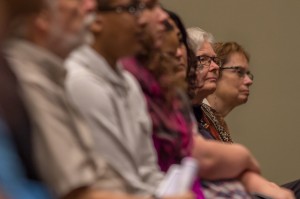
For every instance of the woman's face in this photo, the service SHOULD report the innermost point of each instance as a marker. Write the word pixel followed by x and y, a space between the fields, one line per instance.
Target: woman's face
pixel 180 51
pixel 151 20
pixel 208 74
pixel 181 55
pixel 233 85
pixel 171 43
pixel 166 58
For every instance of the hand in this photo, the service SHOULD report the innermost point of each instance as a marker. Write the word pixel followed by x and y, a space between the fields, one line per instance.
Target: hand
pixel 254 183
pixel 278 193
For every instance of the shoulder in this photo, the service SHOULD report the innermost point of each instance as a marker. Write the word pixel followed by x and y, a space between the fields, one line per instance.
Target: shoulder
pixel 135 89
pixel 131 80
pixel 81 80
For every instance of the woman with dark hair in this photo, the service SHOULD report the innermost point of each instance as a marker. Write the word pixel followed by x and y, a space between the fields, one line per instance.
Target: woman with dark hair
pixel 167 104
pixel 185 54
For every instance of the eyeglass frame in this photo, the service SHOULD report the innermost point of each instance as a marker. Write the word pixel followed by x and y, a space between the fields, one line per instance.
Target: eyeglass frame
pixel 218 62
pixel 133 8
pixel 242 72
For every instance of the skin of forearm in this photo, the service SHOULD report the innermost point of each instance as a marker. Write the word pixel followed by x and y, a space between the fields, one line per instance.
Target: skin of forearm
pixel 86 193
pixel 222 161
pixel 254 182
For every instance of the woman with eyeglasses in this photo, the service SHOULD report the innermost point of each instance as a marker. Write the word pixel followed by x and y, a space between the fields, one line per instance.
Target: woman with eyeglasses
pixel 233 86
pixel 203 82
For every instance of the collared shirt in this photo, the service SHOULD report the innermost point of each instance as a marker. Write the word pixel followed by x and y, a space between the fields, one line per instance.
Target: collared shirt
pixel 113 104
pixel 62 143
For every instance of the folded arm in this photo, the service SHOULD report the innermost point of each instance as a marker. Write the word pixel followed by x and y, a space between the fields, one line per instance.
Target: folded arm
pixel 222 161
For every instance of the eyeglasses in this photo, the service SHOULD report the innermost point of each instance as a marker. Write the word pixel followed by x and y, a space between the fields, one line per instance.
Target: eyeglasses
pixel 206 60
pixel 134 9
pixel 240 71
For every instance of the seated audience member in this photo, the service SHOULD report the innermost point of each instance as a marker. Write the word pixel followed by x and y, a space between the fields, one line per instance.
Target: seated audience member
pixel 233 88
pixel 18 179
pixel 199 38
pixel 203 78
pixel 235 79
pixel 167 104
pixel 110 98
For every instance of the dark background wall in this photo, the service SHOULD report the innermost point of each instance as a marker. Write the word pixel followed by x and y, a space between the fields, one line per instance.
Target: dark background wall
pixel 269 124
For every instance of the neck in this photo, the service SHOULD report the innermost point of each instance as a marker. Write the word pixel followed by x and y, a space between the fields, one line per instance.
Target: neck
pixel 41 40
pixel 197 100
pixel 111 60
pixel 219 105
pixel 199 97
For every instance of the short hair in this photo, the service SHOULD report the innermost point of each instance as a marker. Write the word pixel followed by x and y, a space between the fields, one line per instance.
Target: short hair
pixel 197 37
pixel 19 21
pixel 19 8
pixel 103 3
pixel 225 49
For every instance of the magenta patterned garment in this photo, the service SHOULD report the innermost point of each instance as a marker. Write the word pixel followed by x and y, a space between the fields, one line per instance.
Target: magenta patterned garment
pixel 172 124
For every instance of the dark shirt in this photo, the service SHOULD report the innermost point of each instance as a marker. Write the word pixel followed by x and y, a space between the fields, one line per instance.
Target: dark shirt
pixel 201 129
pixel 14 114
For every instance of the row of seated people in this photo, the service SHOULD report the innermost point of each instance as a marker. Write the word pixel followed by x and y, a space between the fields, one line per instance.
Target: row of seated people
pixel 107 117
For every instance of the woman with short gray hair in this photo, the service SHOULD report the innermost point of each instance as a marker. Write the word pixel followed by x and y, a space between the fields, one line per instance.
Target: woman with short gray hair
pixel 209 119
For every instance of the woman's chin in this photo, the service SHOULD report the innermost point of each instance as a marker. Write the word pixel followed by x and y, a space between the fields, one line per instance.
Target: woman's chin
pixel 242 99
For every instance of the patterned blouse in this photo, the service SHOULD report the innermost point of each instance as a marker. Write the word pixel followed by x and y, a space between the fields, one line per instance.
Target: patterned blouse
pixel 213 122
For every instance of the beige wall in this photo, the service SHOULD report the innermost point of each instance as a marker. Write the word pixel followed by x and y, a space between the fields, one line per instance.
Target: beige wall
pixel 270 30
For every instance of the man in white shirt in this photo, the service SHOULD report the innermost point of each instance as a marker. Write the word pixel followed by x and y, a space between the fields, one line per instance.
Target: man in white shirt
pixel 110 98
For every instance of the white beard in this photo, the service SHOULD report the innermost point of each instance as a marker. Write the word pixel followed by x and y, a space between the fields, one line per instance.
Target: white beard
pixel 65 42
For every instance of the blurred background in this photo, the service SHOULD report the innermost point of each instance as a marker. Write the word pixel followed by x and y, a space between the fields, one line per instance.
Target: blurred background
pixel 269 124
